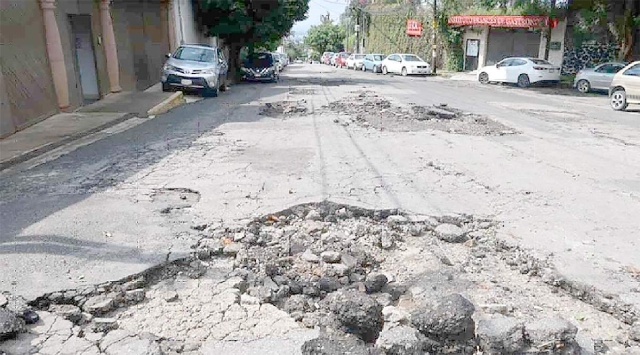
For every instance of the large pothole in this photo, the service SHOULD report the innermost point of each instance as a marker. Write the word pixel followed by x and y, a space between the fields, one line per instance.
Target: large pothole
pixel 371 110
pixel 371 281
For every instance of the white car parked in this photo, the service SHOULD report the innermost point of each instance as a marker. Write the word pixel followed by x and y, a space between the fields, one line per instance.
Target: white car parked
pixel 355 61
pixel 521 71
pixel 405 64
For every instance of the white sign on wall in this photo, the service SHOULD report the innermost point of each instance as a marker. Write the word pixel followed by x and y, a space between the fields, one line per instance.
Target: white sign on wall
pixel 473 47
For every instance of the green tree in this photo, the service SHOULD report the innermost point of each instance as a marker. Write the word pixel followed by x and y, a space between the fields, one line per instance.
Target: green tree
pixel 616 21
pixel 325 37
pixel 250 23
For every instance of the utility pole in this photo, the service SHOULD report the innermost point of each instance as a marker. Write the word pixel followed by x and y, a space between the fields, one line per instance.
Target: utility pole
pixel 434 47
pixel 357 30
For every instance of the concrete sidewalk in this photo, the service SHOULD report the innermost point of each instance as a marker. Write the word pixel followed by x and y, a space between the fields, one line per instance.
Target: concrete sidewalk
pixel 63 128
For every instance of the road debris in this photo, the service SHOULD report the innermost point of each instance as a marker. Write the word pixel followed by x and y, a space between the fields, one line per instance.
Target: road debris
pixel 369 110
pixel 324 267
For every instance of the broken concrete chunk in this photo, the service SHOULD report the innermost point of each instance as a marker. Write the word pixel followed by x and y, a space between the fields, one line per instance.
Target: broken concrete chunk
pixel 3 300
pixel 309 256
pixel 104 324
pixel 67 311
pixel 334 344
pixel 450 233
pixel 330 256
pixel 99 304
pixel 357 313
pixel 10 324
pixel 134 296
pixel 313 215
pixel 402 340
pixel 450 316
pixel 375 282
pixel 553 332
pixel 501 335
pixel 170 296
pixel 232 249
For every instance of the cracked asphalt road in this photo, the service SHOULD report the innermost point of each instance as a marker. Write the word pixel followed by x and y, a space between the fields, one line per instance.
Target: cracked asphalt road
pixel 568 186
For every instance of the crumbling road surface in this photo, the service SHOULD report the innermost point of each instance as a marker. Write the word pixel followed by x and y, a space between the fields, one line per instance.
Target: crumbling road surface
pixel 333 212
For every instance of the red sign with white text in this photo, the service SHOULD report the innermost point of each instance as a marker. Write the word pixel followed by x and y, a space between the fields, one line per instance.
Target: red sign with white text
pixel 414 28
pixel 500 21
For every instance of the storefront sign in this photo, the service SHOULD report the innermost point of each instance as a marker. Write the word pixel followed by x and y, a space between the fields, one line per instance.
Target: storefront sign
pixel 414 28
pixel 500 21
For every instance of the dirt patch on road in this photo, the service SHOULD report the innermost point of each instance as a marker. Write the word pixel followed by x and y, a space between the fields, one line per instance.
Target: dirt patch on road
pixel 367 109
pixel 301 91
pixel 284 108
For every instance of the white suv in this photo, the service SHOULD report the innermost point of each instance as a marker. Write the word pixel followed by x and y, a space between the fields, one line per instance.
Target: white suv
pixel 625 87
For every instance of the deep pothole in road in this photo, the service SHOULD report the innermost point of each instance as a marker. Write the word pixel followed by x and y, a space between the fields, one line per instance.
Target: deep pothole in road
pixel 281 109
pixel 373 281
pixel 371 110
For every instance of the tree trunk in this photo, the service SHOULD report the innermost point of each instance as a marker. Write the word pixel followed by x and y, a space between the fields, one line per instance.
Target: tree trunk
pixel 234 75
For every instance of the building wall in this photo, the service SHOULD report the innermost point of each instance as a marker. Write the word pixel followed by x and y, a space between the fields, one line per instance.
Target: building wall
pixel 481 33
pixel 141 42
pixel 557 35
pixel 186 28
pixel 64 9
pixel 27 94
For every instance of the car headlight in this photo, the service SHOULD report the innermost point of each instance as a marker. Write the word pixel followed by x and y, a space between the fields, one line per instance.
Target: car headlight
pixel 269 71
pixel 208 71
pixel 170 67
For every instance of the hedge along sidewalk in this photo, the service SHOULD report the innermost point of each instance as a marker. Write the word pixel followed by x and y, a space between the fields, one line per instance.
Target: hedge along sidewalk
pixel 64 128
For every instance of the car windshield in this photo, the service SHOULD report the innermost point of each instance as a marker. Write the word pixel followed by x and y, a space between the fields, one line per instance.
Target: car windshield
pixel 412 58
pixel 261 60
pixel 359 56
pixel 378 57
pixel 195 54
pixel 540 61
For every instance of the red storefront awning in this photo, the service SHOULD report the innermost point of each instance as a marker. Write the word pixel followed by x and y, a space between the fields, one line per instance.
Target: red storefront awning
pixel 500 21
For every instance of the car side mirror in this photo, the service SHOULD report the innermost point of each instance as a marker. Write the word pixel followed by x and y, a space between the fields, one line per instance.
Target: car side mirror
pixel 497 65
pixel 168 55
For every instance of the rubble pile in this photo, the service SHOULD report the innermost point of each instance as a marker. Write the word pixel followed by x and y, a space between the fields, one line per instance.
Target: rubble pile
pixel 336 278
pixel 283 108
pixel 370 110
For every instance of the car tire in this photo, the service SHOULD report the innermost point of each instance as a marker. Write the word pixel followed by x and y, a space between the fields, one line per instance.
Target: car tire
pixel 166 87
pixel 523 81
pixel 210 92
pixel 483 78
pixel 618 99
pixel 403 72
pixel 583 86
pixel 384 70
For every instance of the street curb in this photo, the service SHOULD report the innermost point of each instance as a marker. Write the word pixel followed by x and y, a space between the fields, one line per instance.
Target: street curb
pixel 51 146
pixel 173 101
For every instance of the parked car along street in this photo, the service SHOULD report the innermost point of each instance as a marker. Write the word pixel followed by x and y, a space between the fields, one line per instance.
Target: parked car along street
pixel 405 64
pixel 326 57
pixel 373 62
pixel 355 61
pixel 333 59
pixel 520 71
pixel 341 59
pixel 260 67
pixel 625 87
pixel 200 68
pixel 598 78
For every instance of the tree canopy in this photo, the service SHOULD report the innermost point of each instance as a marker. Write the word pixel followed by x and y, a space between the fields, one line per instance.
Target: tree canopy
pixel 252 23
pixel 325 37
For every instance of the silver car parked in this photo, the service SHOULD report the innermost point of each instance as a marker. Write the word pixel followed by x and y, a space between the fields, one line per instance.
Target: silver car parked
pixel 598 78
pixel 195 67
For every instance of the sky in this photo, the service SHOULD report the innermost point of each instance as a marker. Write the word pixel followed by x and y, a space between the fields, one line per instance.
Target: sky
pixel 316 9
